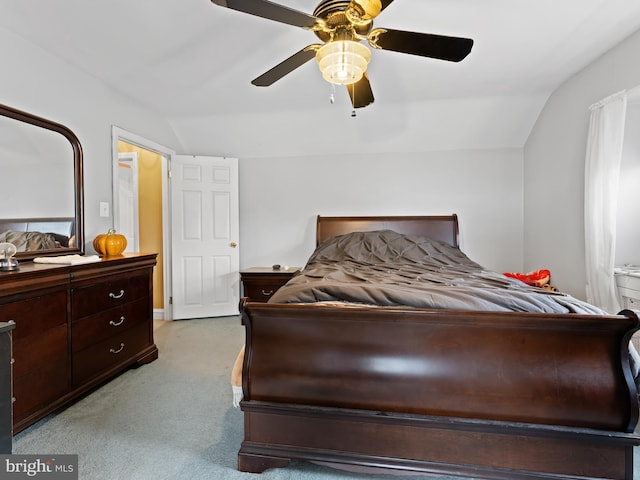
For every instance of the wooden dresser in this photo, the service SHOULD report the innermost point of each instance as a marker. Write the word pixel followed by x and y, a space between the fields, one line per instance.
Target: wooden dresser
pixel 75 328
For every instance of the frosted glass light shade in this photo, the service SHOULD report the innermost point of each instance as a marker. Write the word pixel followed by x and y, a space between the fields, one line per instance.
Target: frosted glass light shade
pixel 343 61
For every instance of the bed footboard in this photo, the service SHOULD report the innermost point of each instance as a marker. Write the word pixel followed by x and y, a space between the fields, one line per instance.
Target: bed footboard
pixel 486 394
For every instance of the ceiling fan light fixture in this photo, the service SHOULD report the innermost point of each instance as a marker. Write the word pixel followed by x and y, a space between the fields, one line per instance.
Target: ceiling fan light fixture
pixel 343 62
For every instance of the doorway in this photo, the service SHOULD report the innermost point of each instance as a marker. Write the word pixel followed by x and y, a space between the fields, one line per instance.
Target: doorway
pixel 149 205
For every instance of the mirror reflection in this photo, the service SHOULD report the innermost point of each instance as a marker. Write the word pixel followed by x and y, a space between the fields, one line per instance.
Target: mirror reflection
pixel 40 198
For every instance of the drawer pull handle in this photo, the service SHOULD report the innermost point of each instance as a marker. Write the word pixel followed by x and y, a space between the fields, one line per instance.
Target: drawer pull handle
pixel 117 324
pixel 266 294
pixel 13 399
pixel 116 295
pixel 112 350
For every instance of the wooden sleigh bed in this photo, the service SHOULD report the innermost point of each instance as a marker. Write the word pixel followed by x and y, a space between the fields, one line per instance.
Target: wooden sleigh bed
pixel 496 395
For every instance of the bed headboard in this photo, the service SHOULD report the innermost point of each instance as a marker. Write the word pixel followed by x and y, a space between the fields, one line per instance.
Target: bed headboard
pixel 438 227
pixel 62 228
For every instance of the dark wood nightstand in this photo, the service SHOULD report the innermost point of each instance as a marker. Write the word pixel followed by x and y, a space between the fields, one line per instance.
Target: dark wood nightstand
pixel 260 283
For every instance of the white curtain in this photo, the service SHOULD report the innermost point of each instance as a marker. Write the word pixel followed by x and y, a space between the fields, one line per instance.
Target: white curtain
pixel 602 172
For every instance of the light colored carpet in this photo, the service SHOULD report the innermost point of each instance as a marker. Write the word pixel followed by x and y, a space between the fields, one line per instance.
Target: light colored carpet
pixel 171 419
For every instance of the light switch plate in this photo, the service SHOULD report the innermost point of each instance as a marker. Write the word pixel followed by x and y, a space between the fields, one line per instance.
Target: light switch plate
pixel 104 209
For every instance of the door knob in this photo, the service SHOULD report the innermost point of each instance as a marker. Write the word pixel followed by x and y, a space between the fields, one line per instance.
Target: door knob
pixel 233 244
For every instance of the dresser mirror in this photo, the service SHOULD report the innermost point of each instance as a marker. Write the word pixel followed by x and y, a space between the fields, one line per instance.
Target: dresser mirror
pixel 41 199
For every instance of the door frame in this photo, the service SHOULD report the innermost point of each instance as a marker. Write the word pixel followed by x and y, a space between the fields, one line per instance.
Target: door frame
pixel 118 133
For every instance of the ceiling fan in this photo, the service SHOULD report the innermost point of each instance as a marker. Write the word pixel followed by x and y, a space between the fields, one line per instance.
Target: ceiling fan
pixel 341 25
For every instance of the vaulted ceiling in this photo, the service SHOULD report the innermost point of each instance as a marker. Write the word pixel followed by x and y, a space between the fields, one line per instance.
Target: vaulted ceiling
pixel 191 58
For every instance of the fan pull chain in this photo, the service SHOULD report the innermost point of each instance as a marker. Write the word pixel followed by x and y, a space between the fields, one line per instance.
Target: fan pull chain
pixel 353 112
pixel 332 97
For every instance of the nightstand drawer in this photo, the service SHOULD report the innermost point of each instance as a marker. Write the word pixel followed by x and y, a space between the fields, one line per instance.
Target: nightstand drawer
pixel 260 291
pixel 260 283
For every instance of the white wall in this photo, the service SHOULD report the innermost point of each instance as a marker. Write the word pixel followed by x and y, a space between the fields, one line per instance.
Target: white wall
pixel 554 167
pixel 281 197
pixel 36 82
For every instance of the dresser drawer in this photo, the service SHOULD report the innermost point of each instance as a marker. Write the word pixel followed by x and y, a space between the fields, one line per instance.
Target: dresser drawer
pixel 632 282
pixel 40 387
pixel 40 370
pixel 39 351
pixel 110 352
pixel 35 315
pixel 95 328
pixel 108 294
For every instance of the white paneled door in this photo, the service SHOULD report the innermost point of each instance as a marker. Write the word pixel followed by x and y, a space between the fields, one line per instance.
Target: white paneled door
pixel 204 236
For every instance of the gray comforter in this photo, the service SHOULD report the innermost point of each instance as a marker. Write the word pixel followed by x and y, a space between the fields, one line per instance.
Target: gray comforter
pixel 385 268
pixel 389 269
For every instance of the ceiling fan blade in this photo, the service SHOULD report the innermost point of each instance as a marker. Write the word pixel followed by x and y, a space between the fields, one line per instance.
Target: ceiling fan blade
pixel 287 66
pixel 360 92
pixel 270 11
pixel 441 47
pixel 369 9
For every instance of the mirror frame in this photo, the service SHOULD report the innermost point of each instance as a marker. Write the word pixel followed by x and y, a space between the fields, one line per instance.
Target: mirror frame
pixel 78 178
